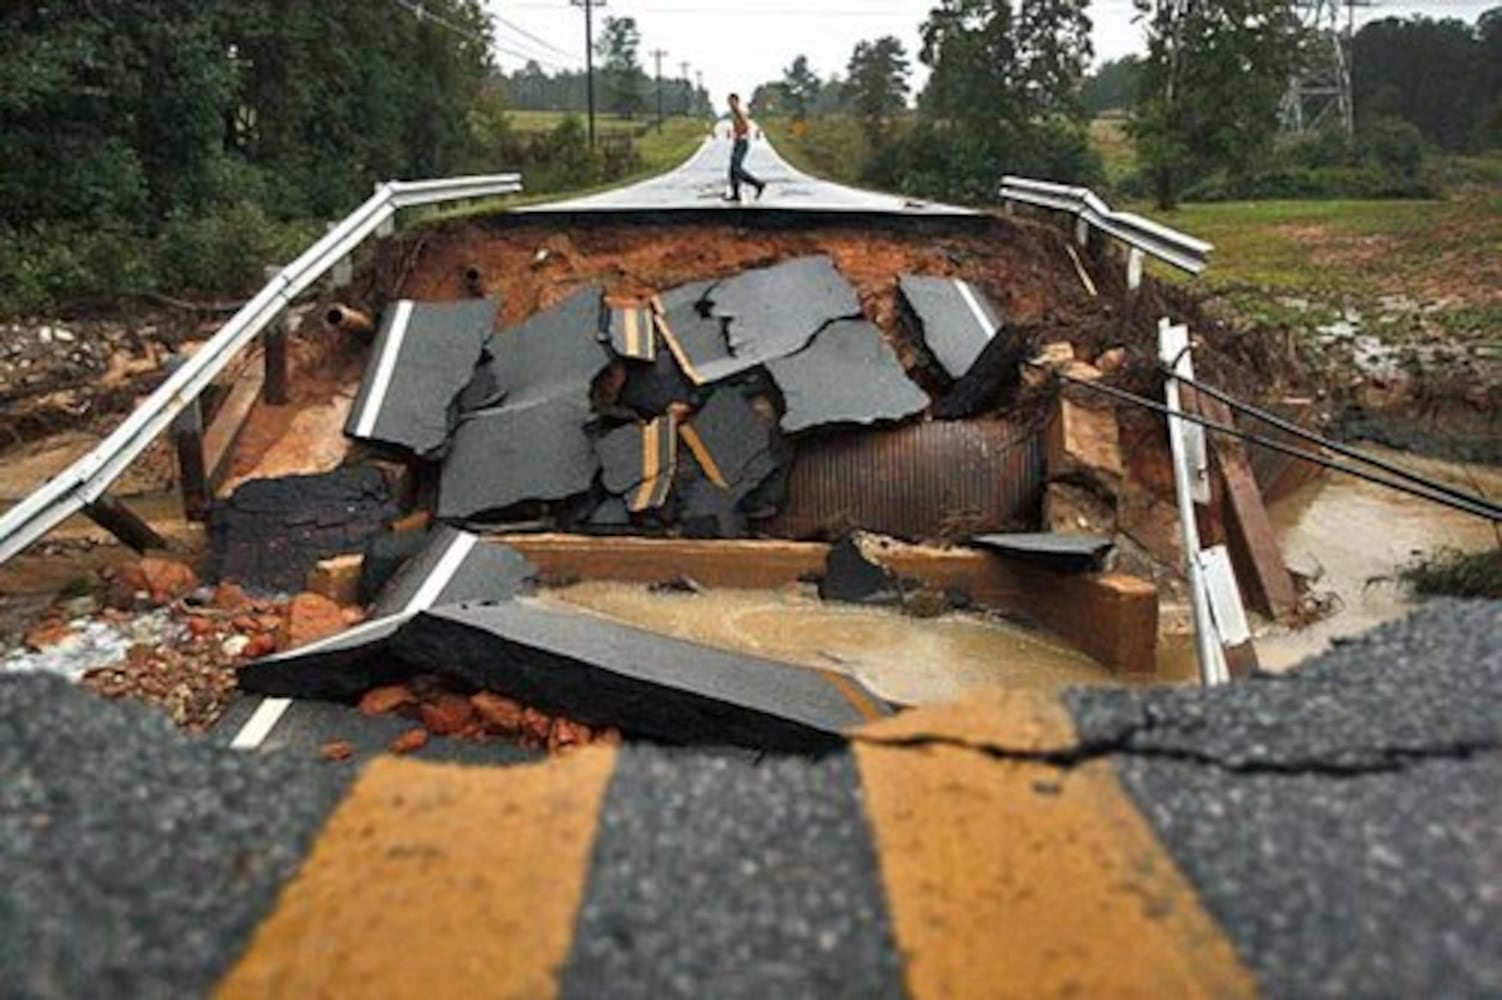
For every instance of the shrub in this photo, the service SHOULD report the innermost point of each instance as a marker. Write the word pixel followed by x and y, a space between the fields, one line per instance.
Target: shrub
pixel 226 251
pixel 55 265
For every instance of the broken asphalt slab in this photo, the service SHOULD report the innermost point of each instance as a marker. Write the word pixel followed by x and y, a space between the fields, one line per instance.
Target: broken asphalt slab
pixel 957 320
pixel 592 670
pixel 696 339
pixel 424 357
pixel 1068 553
pixel 521 451
pixel 962 330
pixel 775 311
pixel 847 375
pixel 454 567
pixel 555 353
pixel 638 462
pixel 271 532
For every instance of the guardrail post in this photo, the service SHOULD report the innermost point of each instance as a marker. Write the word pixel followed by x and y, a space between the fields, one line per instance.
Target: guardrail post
pixel 192 473
pixel 274 354
pixel 1134 269
pixel 1081 232
pixel 122 522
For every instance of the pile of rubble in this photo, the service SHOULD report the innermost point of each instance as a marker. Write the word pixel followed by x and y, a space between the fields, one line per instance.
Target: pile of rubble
pixel 677 412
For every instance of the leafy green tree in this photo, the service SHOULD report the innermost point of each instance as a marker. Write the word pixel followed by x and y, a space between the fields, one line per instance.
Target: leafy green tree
pixel 800 86
pixel 993 60
pixel 1210 87
pixel 1432 73
pixel 878 83
pixel 618 46
pixel 1113 87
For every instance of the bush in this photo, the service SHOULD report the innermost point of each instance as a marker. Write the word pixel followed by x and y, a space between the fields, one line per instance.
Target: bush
pixel 962 164
pixel 226 252
pixel 53 265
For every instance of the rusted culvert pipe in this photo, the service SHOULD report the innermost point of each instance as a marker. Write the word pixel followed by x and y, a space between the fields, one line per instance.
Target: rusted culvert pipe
pixel 342 317
pixel 474 280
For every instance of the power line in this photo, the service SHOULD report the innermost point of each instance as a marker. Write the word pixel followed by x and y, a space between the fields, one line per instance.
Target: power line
pixel 535 38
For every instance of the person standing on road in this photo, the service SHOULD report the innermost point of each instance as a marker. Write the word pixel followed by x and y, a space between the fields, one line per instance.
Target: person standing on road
pixel 740 128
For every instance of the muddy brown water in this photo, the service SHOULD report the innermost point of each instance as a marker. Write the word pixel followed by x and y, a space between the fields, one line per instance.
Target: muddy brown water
pixel 903 659
pixel 1354 537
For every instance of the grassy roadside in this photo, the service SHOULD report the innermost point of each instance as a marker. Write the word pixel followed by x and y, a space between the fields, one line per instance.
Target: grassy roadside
pixel 659 151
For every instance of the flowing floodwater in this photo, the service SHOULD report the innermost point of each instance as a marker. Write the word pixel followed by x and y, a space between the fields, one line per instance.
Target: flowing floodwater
pixel 1353 537
pixel 903 659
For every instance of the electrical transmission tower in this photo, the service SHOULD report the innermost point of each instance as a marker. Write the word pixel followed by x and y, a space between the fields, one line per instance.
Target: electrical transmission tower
pixel 1319 94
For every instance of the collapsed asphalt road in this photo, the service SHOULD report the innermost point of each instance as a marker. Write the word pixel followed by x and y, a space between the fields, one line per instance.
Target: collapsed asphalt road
pixel 1332 831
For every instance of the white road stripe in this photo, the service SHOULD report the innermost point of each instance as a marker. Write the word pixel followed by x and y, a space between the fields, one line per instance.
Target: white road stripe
pixel 260 723
pixel 458 551
pixel 385 365
pixel 270 711
pixel 977 310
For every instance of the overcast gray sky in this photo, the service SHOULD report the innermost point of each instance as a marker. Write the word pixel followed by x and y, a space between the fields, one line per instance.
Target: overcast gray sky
pixel 738 44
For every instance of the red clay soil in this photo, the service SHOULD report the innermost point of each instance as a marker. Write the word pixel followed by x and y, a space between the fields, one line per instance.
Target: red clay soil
pixel 1025 268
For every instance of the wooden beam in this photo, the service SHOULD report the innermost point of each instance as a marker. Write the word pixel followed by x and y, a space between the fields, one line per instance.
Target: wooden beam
pixel 229 420
pixel 192 478
pixel 1260 569
pixel 122 522
pixel 1111 617
pixel 275 389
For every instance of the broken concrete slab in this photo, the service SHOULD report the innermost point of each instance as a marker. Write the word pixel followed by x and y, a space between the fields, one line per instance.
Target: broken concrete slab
pixel 1068 553
pixel 522 451
pixel 555 352
pixel 456 566
pixel 383 556
pixel 775 311
pixel 424 358
pixel 592 670
pixel 271 532
pixel 847 375
pixel 638 462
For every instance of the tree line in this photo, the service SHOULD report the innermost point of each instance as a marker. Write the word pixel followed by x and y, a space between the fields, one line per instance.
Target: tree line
pixel 1009 92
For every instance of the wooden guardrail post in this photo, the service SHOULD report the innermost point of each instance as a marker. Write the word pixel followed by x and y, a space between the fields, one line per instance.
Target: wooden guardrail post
pixel 192 472
pixel 122 522
pixel 274 353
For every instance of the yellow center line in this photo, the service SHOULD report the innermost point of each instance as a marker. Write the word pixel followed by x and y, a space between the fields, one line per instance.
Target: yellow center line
pixel 701 452
pixel 853 694
pixel 434 879
pixel 684 363
pixel 1012 877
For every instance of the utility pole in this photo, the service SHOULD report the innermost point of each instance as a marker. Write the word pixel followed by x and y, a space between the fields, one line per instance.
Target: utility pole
pixel 688 97
pixel 699 77
pixel 589 58
pixel 657 54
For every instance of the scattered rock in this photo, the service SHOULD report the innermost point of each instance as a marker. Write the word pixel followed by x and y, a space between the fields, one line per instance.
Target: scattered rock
pixel 336 750
pixel 309 617
pixel 852 575
pixel 160 580
pixel 258 646
pixel 47 635
pixel 230 597
pixel 337 578
pixel 383 700
pixel 447 714
pixel 500 714
pixel 235 645
pixel 409 742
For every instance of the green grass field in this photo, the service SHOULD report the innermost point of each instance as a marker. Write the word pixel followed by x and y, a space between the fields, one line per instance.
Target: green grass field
pixel 546 121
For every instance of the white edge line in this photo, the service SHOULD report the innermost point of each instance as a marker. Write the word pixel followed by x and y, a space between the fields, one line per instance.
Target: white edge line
pixel 260 723
pixel 976 309
pixel 270 711
pixel 432 588
pixel 381 382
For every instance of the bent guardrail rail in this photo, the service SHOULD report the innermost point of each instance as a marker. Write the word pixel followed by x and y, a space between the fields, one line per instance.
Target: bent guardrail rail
pixel 86 480
pixel 1169 245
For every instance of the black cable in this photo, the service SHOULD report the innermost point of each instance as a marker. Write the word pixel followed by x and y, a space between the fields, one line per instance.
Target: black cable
pixel 1467 507
pixel 1335 446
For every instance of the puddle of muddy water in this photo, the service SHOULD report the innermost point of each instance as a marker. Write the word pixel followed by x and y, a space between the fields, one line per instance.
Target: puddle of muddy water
pixel 1355 537
pixel 903 659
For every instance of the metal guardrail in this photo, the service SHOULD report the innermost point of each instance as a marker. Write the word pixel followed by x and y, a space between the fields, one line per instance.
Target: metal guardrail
pixel 1179 249
pixel 86 480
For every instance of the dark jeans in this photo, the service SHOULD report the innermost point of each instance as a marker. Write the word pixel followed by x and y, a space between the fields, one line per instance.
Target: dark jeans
pixel 738 173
